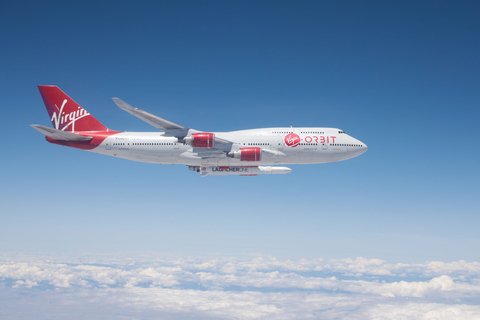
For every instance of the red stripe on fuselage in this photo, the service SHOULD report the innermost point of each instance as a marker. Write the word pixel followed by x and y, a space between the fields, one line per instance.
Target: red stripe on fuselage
pixel 98 138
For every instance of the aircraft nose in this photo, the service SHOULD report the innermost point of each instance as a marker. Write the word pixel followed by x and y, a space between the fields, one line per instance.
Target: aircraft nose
pixel 363 147
pixel 358 149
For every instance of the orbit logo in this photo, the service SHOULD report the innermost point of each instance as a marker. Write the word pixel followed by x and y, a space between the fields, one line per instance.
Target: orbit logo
pixel 292 140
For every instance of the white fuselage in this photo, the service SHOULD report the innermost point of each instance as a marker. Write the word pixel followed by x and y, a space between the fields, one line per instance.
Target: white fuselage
pixel 316 145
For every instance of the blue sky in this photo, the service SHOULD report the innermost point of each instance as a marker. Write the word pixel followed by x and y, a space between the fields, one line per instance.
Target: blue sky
pixel 403 77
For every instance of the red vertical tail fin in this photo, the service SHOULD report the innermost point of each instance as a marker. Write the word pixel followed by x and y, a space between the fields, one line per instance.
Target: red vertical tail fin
pixel 66 114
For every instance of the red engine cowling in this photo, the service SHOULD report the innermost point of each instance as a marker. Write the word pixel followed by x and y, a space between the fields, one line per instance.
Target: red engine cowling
pixel 250 154
pixel 201 140
pixel 246 154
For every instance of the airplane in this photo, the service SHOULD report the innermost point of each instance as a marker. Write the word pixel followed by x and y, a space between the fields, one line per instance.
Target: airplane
pixel 244 152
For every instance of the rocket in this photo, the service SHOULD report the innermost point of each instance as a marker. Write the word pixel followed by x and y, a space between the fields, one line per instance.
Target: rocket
pixel 240 171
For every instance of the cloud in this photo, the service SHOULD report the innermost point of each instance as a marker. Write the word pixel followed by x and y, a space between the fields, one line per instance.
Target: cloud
pixel 248 287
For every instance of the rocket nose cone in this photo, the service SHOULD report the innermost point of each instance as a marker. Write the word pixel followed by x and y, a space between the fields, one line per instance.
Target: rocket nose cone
pixel 281 170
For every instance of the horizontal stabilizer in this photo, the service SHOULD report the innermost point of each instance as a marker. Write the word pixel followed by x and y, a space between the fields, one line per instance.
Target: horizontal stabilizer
pixel 159 123
pixel 59 134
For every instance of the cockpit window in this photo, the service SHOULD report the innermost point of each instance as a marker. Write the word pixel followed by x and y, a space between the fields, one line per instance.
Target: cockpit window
pixel 341 131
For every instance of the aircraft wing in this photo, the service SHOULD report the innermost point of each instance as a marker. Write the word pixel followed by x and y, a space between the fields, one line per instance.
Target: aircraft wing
pixel 164 125
pixel 209 153
pixel 222 141
pixel 168 127
pixel 59 134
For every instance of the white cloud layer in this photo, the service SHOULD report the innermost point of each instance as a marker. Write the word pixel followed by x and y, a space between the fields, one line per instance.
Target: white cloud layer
pixel 237 287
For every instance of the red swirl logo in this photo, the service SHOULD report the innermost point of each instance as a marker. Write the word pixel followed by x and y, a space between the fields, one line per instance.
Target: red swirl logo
pixel 292 140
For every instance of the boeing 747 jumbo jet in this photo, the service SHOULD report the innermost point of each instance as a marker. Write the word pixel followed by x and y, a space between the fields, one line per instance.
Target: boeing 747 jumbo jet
pixel 245 152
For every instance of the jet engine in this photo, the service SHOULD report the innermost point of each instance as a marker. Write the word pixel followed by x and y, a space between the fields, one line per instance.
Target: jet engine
pixel 201 140
pixel 246 154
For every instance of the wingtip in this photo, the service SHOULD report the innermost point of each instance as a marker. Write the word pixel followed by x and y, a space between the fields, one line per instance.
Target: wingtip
pixel 122 104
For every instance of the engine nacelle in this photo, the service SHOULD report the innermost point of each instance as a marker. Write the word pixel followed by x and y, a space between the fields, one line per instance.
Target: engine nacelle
pixel 201 140
pixel 246 154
